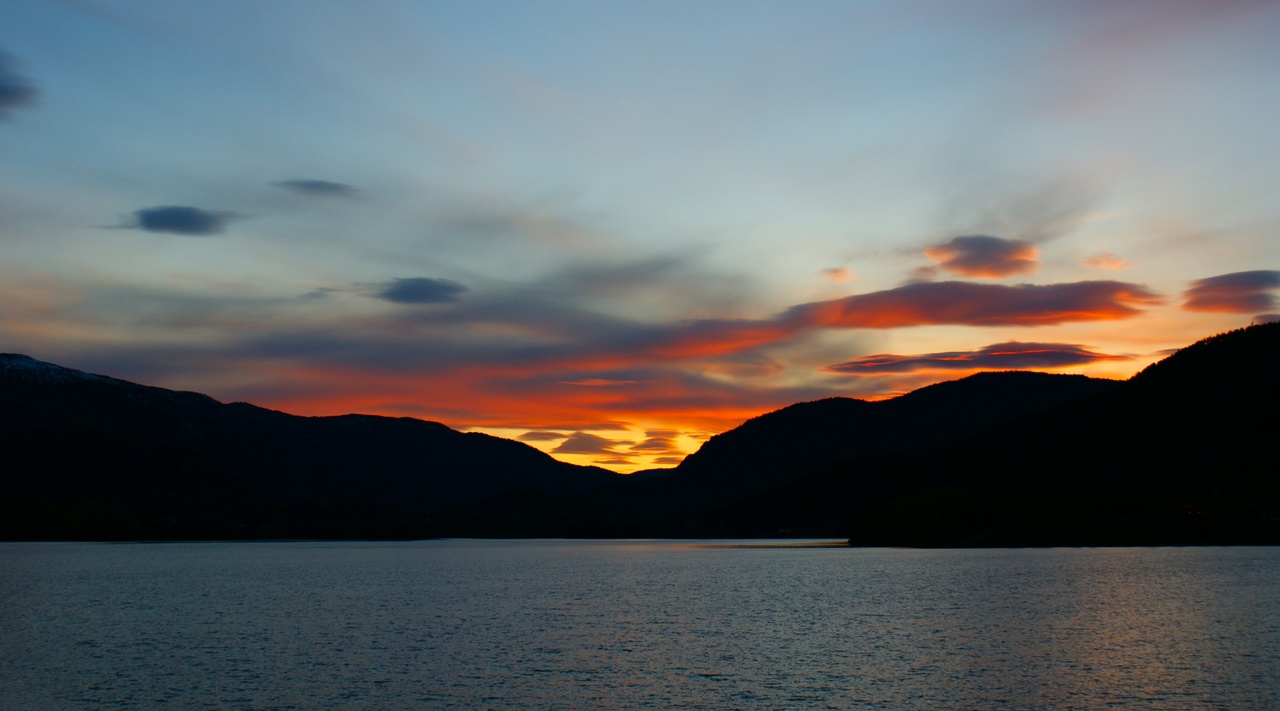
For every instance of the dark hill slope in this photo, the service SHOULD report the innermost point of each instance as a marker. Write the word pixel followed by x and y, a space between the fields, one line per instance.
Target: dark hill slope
pixel 766 454
pixel 774 449
pixel 1185 452
pixel 142 455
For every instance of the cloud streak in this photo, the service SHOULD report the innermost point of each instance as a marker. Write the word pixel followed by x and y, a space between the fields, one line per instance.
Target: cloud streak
pixel 181 220
pixel 1013 355
pixel 16 91
pixel 968 304
pixel 1106 260
pixel 318 188
pixel 985 257
pixel 1236 293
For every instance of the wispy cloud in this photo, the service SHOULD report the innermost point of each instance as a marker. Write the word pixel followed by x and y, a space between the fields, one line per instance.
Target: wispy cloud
pixel 1013 355
pixel 837 274
pixel 985 256
pixel 1106 260
pixel 318 188
pixel 1238 292
pixel 16 91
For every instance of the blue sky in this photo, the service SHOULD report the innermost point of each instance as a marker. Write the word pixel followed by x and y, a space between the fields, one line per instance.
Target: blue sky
pixel 612 229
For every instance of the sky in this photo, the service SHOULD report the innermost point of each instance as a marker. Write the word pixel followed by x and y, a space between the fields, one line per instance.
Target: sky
pixel 613 229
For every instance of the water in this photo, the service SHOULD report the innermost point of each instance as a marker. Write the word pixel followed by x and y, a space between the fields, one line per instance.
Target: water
pixel 634 625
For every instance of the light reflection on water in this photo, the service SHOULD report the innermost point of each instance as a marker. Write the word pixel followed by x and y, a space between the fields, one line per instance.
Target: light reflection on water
pixel 635 624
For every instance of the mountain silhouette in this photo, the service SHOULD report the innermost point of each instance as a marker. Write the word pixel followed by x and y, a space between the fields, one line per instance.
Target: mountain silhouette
pixel 1182 453
pixel 84 451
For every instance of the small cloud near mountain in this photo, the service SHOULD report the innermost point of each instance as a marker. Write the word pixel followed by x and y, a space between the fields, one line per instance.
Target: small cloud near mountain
pixel 540 436
pixel 587 443
pixel 660 441
pixel 1013 355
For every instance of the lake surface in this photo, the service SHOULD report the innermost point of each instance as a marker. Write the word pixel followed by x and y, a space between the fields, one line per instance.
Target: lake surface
pixel 634 625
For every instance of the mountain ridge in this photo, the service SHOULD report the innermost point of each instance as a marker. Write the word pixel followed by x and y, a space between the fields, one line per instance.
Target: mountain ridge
pixel 1182 452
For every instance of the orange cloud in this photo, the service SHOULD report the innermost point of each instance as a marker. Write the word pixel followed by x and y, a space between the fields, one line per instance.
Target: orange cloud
pixel 838 274
pixel 1235 293
pixel 1106 260
pixel 964 303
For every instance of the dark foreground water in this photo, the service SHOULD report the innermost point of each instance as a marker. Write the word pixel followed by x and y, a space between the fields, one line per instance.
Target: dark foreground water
pixel 630 625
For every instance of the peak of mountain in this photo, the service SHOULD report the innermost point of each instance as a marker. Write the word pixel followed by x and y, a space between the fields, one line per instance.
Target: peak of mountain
pixel 1240 359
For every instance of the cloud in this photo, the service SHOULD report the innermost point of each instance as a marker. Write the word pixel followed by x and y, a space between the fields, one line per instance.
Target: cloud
pixel 540 436
pixel 660 441
pixel 1013 355
pixel 1265 318
pixel 1106 260
pixel 1236 293
pixel 421 290
pixel 968 304
pixel 613 462
pixel 668 461
pixel 985 256
pixel 318 188
pixel 16 91
pixel 923 274
pixel 587 443
pixel 493 219
pixel 837 274
pixel 181 219
pixel 597 382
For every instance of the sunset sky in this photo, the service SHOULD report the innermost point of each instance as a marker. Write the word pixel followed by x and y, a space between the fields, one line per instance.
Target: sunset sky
pixel 613 229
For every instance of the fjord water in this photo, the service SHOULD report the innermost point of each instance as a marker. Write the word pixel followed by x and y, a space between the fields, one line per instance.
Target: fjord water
pixel 634 625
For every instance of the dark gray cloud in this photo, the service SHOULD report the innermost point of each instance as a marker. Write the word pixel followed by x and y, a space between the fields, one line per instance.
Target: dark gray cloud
pixel 540 436
pixel 1266 318
pixel 1013 355
pixel 658 442
pixel 587 443
pixel 1236 293
pixel 16 91
pixel 421 290
pixel 318 188
pixel 181 220
pixel 985 256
